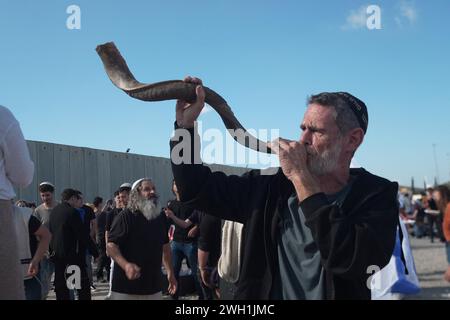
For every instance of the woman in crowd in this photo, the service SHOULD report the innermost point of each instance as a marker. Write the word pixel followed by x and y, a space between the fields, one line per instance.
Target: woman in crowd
pixel 442 197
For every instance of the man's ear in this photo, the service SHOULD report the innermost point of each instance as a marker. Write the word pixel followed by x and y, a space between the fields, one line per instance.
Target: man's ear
pixel 355 137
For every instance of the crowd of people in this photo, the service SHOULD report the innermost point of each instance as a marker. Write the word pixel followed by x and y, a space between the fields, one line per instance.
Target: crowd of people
pixel 428 215
pixel 130 239
pixel 309 231
pixel 128 236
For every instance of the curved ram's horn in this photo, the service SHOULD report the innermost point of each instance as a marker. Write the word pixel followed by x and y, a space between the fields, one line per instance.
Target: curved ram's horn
pixel 120 75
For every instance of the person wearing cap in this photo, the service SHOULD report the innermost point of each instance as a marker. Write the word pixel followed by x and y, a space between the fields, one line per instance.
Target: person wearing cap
pixel 138 243
pixel 126 185
pixel 315 229
pixel 43 212
pixel 121 197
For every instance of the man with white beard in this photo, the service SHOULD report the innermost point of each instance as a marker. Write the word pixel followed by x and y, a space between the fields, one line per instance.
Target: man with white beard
pixel 138 242
pixel 315 229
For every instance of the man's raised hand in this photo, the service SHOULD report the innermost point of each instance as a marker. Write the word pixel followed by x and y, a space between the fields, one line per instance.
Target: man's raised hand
pixel 187 113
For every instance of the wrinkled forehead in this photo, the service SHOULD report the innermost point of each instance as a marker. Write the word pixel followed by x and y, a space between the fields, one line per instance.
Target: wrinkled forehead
pixel 147 184
pixel 319 116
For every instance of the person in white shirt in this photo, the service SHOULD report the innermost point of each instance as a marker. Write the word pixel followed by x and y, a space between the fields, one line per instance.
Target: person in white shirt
pixel 16 170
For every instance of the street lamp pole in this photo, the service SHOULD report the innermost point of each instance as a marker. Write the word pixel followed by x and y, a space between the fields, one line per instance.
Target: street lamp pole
pixel 435 163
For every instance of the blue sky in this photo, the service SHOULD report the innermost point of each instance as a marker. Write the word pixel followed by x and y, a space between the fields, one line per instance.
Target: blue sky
pixel 264 57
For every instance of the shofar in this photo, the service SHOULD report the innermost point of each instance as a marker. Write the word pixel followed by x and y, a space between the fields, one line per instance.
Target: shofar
pixel 121 77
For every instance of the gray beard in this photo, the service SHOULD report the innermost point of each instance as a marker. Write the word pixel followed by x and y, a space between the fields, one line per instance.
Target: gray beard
pixel 326 162
pixel 149 208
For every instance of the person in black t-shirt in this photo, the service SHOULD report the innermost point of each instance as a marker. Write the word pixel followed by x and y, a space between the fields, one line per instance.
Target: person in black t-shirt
pixel 69 243
pixel 209 242
pixel 433 216
pixel 184 242
pixel 88 217
pixel 104 261
pixel 138 242
pixel 111 214
pixel 121 197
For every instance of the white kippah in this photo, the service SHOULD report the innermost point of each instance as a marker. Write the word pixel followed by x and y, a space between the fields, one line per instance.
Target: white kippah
pixel 126 185
pixel 46 183
pixel 136 183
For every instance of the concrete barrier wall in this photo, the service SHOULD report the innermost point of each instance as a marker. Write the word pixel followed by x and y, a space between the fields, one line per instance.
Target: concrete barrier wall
pixel 98 172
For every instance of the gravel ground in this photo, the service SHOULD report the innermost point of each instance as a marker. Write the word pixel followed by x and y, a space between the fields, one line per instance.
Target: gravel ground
pixel 431 263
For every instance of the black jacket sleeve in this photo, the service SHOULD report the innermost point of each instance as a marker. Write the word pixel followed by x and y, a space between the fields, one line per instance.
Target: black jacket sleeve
pixel 351 239
pixel 215 193
pixel 210 233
